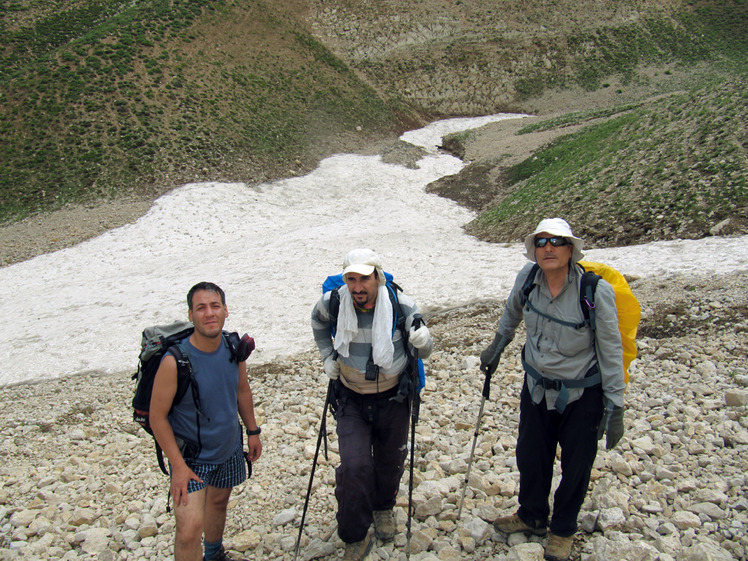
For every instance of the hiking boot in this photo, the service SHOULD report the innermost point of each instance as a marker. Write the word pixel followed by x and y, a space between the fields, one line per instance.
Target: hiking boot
pixel 513 523
pixel 384 524
pixel 357 551
pixel 558 548
pixel 221 555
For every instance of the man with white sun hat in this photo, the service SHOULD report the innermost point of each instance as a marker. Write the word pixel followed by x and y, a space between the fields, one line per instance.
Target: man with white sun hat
pixel 573 385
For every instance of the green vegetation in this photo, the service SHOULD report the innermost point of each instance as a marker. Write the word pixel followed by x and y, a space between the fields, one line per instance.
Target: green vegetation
pixel 576 118
pixel 671 168
pixel 714 31
pixel 104 98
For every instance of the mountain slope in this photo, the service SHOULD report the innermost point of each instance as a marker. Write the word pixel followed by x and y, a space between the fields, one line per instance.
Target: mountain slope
pixel 112 98
pixel 138 99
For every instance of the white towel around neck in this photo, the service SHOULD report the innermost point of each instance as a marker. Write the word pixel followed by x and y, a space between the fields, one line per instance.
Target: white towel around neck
pixel 383 351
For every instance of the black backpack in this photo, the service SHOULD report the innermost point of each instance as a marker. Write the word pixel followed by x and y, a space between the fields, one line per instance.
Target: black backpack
pixel 156 341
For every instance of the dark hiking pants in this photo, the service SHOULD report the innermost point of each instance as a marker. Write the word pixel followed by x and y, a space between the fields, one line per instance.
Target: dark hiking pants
pixel 372 436
pixel 540 432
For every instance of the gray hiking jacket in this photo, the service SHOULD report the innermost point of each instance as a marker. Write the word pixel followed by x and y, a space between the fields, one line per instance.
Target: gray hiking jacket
pixel 353 366
pixel 561 352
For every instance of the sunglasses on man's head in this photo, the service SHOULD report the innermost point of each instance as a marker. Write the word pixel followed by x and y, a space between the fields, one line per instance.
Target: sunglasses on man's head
pixel 556 241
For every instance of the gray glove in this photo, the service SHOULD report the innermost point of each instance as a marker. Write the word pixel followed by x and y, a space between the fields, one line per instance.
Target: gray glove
pixel 611 425
pixel 489 359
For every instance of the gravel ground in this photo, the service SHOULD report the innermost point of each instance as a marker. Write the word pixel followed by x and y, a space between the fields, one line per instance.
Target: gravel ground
pixel 79 479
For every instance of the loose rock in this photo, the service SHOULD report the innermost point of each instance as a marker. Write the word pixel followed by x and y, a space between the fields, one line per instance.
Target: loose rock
pixel 79 480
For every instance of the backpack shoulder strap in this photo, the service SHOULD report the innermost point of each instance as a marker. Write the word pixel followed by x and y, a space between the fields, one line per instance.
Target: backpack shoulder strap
pixel 184 378
pixel 527 288
pixel 184 371
pixel 397 310
pixel 406 384
pixel 334 309
pixel 529 284
pixel 587 289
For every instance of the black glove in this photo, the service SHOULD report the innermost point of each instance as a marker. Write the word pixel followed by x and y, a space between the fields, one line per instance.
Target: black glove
pixel 489 359
pixel 611 425
pixel 246 346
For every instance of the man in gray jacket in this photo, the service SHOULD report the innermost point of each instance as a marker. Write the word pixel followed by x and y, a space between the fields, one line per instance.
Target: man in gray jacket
pixel 574 383
pixel 366 358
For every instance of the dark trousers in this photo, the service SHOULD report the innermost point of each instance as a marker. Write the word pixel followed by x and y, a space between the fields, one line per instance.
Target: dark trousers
pixel 372 436
pixel 540 432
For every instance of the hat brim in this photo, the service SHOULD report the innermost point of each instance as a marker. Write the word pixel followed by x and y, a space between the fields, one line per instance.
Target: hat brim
pixel 360 268
pixel 576 254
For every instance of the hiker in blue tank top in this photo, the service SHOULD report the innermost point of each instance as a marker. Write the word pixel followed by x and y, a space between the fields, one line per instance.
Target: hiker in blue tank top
pixel 365 359
pixel 572 375
pixel 203 440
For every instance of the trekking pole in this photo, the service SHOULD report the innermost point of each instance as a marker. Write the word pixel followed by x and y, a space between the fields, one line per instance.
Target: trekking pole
pixel 486 395
pixel 322 431
pixel 414 411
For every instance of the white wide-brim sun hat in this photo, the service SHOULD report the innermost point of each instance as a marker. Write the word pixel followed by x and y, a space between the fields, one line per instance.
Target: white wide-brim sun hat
pixel 554 227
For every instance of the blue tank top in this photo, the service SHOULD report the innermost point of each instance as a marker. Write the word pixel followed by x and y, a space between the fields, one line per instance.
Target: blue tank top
pixel 218 381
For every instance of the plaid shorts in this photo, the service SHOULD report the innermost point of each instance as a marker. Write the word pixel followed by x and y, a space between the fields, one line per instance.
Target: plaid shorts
pixel 230 473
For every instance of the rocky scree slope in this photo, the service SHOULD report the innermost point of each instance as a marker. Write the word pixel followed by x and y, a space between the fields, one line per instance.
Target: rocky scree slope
pixel 79 480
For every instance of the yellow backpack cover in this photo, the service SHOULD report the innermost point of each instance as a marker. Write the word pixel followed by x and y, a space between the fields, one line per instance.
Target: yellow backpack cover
pixel 629 310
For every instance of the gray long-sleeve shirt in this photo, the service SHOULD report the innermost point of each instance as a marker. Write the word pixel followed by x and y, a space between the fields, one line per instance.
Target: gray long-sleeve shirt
pixel 353 366
pixel 561 352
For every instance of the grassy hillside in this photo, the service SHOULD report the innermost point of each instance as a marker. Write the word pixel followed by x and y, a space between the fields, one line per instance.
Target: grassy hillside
pixel 108 98
pixel 483 56
pixel 676 167
pixel 104 98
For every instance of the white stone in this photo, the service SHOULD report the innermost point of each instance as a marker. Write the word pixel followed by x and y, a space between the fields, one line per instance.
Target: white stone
pixel 96 540
pixel 23 518
pixel 707 552
pixel 526 552
pixel 610 519
pixel 428 508
pixel 82 516
pixel 711 510
pixel 644 443
pixel 148 526
pixel 245 540
pixel 479 529
pixel 284 517
pixel 736 398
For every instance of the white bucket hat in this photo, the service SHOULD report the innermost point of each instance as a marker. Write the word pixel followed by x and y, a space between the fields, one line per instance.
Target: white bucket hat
pixel 554 227
pixel 363 262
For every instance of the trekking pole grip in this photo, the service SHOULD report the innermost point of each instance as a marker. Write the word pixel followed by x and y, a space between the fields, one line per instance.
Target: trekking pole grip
pixel 487 386
pixel 417 321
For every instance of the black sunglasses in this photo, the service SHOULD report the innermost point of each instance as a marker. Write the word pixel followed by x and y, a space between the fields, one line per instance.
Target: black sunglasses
pixel 555 241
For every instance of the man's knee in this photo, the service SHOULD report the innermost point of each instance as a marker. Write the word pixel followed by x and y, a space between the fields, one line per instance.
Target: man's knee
pixel 189 531
pixel 218 499
pixel 190 519
pixel 356 467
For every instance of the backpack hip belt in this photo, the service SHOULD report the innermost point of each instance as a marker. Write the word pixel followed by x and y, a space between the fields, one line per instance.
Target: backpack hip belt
pixel 591 378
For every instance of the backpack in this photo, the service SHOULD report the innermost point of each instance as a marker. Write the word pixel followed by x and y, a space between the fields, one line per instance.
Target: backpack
pixel 334 282
pixel 155 342
pixel 627 306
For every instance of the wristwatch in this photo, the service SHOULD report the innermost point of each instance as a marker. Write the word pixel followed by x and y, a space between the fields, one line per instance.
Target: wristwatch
pixel 254 432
